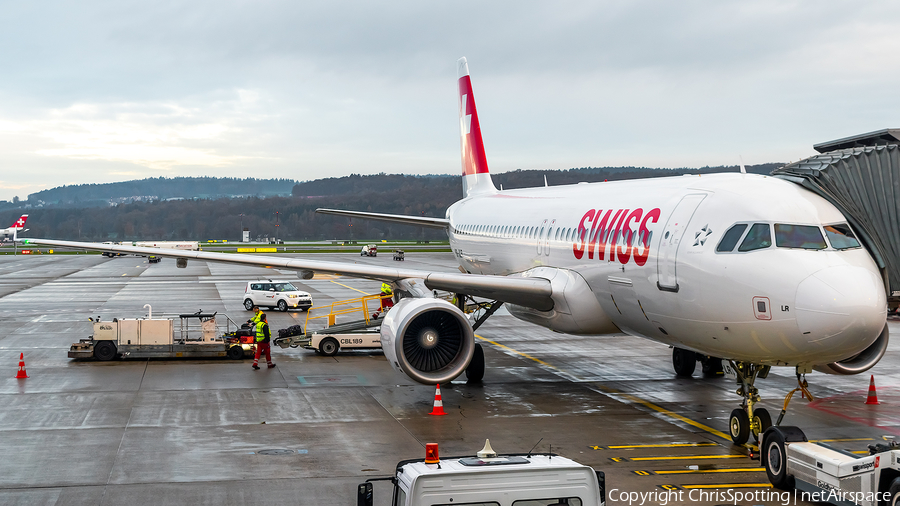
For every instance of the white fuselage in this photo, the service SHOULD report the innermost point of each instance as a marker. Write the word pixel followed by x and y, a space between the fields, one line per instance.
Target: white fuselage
pixel 658 273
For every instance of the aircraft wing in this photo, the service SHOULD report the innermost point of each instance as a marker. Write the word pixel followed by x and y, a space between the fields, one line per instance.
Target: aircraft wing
pixel 530 292
pixel 423 221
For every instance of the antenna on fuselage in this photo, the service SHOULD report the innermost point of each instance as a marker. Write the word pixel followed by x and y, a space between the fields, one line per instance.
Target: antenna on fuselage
pixel 743 169
pixel 545 180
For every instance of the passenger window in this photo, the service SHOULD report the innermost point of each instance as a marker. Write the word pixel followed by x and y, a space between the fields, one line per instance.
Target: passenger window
pixel 564 501
pixel 758 237
pixel 799 236
pixel 840 236
pixel 255 286
pixel 731 237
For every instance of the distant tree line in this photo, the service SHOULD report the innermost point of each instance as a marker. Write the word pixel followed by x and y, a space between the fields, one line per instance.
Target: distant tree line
pixel 202 220
pixel 84 195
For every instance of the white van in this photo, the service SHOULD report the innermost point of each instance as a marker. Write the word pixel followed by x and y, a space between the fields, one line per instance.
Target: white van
pixel 280 294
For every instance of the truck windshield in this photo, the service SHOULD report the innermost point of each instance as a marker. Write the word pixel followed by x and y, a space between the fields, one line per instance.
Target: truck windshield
pixel 399 496
pixel 284 287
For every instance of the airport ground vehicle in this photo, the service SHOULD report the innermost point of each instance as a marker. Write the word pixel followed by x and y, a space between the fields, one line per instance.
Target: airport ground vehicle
pixel 490 479
pixel 357 330
pixel 369 250
pixel 197 335
pixel 399 255
pixel 823 473
pixel 153 259
pixel 280 294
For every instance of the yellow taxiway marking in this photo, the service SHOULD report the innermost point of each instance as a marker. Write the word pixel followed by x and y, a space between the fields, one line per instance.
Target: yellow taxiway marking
pixel 125 274
pixel 630 397
pixel 350 287
pixel 690 457
pixel 730 485
pixel 703 471
pixel 841 440
pixel 514 351
pixel 671 414
pixel 670 445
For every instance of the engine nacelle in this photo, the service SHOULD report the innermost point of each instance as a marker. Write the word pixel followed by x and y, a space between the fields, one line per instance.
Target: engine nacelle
pixel 429 340
pixel 575 306
pixel 861 362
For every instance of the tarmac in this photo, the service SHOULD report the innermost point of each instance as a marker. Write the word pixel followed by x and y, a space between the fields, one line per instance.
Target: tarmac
pixel 309 430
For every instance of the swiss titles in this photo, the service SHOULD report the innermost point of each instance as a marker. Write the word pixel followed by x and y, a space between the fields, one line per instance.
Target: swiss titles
pixel 610 235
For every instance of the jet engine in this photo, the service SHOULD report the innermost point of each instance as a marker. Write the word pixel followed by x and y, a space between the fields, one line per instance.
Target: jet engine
pixel 861 362
pixel 429 340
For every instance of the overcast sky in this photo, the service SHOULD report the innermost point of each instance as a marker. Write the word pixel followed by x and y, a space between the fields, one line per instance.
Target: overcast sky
pixel 95 92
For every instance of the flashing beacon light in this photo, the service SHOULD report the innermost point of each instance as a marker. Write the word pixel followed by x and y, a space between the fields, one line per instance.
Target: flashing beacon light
pixel 431 453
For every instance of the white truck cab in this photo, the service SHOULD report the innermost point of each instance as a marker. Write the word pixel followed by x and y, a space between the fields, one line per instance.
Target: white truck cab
pixel 487 479
pixel 823 473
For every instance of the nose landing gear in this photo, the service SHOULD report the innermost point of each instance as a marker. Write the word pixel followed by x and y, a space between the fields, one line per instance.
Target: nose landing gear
pixel 746 420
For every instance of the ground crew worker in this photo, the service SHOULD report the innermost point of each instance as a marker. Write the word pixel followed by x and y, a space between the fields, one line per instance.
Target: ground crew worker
pixel 387 299
pixel 262 342
pixel 254 320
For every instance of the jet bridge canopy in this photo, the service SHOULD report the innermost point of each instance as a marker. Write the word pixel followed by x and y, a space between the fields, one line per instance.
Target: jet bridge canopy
pixel 861 176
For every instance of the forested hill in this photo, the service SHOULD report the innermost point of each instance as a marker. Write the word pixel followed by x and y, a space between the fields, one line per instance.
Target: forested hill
pixel 163 188
pixel 357 184
pixel 294 217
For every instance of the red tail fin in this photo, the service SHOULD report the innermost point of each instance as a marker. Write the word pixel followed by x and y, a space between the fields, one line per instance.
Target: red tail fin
pixel 476 178
pixel 20 223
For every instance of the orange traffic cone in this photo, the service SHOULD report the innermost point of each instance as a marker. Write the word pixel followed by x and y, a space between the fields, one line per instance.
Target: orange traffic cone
pixel 438 405
pixel 21 374
pixel 872 398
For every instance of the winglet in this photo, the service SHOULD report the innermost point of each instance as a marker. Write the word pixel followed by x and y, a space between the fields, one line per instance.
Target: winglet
pixel 476 177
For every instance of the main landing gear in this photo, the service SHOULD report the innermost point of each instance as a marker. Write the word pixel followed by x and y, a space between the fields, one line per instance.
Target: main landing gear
pixel 746 420
pixel 685 362
pixel 480 312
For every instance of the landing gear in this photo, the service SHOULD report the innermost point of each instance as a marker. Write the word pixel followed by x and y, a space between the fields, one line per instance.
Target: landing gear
pixel 746 420
pixel 711 367
pixel 684 362
pixel 475 371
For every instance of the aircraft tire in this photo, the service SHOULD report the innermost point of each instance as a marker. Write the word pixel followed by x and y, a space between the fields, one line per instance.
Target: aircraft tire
pixel 739 426
pixel 475 371
pixel 684 362
pixel 763 420
pixel 711 367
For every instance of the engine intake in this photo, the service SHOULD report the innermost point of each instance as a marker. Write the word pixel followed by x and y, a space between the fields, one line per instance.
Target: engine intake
pixel 861 362
pixel 429 340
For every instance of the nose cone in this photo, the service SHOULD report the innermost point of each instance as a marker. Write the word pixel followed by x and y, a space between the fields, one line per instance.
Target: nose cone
pixel 843 309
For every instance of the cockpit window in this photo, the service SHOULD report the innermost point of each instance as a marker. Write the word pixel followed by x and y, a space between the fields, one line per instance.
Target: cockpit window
pixel 840 236
pixel 799 236
pixel 758 237
pixel 731 237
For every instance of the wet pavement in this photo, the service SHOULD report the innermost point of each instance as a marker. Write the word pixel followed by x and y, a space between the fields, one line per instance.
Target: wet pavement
pixel 306 432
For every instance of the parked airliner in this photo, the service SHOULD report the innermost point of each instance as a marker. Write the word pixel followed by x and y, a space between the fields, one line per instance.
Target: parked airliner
pixel 17 227
pixel 743 270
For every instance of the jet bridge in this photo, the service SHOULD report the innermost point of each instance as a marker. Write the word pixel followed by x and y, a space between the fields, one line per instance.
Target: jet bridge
pixel 860 175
